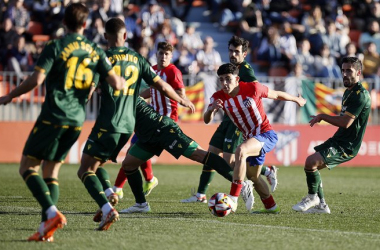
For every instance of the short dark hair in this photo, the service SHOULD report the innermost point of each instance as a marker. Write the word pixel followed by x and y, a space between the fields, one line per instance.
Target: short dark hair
pixel 75 16
pixel 236 41
pixel 354 61
pixel 165 46
pixel 228 68
pixel 114 25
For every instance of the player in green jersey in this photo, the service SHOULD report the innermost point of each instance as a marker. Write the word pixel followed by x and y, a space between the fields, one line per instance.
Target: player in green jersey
pixel 227 136
pixel 156 133
pixel 116 120
pixel 345 143
pixel 66 65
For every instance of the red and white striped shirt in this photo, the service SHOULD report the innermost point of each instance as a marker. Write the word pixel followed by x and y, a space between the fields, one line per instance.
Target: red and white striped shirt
pixel 162 104
pixel 246 108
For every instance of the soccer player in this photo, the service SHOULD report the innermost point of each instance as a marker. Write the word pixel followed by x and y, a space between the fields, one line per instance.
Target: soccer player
pixel 241 101
pixel 344 144
pixel 156 133
pixel 227 136
pixel 163 105
pixel 68 65
pixel 116 120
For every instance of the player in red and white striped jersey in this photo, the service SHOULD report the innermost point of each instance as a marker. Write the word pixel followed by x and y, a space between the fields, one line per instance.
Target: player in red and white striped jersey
pixel 163 105
pixel 242 102
pixel 172 75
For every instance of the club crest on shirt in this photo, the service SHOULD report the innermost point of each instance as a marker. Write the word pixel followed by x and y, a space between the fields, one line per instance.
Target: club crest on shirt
pixel 248 102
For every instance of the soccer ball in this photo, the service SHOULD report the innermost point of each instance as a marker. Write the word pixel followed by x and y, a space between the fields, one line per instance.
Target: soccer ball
pixel 220 204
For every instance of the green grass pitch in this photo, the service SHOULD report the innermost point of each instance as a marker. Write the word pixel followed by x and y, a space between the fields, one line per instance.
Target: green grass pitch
pixel 352 194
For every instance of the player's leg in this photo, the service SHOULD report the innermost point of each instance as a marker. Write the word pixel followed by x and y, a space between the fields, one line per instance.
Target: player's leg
pixel 207 175
pixel 87 174
pixel 45 136
pixel 313 163
pixel 135 157
pixel 121 178
pixel 205 179
pixel 150 180
pixel 112 145
pixel 253 151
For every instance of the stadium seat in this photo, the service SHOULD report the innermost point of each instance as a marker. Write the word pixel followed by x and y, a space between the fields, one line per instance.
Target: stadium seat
pixel 354 36
pixel 278 71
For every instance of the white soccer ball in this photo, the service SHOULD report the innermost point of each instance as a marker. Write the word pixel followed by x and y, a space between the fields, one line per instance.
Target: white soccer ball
pixel 220 204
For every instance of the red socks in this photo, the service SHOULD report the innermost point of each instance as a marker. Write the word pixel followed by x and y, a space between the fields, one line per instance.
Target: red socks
pixel 236 188
pixel 269 202
pixel 146 169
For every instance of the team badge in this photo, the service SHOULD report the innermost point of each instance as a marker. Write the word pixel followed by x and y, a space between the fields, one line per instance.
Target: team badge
pixel 35 130
pixel 179 145
pixel 100 134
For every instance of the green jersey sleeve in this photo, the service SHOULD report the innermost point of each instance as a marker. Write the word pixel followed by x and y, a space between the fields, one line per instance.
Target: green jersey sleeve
pixel 46 60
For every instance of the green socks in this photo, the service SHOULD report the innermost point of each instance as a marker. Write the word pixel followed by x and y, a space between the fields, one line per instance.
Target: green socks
pixel 38 188
pixel 103 177
pixel 219 164
pixel 313 180
pixel 205 179
pixel 136 183
pixel 53 186
pixel 94 188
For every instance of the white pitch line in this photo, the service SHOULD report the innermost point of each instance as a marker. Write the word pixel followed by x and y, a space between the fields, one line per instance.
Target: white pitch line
pixel 139 216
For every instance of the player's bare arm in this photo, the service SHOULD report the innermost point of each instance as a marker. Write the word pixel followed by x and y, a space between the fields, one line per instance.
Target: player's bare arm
pixel 344 121
pixel 36 79
pixel 168 91
pixel 283 96
pixel 211 110
pixel 182 93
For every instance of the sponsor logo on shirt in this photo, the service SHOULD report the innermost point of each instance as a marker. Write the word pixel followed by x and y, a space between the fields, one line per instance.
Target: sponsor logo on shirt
pixel 173 144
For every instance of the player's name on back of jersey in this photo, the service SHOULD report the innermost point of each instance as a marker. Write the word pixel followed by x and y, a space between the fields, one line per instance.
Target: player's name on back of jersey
pixel 123 57
pixel 71 47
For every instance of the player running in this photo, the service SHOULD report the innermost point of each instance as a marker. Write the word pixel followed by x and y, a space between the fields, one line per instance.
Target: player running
pixel 227 136
pixel 156 133
pixel 116 121
pixel 241 101
pixel 68 65
pixel 345 143
pixel 163 105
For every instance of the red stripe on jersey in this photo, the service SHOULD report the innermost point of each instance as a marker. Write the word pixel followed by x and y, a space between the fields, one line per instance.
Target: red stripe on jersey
pixel 162 104
pixel 246 109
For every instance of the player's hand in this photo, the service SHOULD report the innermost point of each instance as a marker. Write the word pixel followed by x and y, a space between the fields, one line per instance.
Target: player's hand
pixel 315 119
pixel 217 104
pixel 301 101
pixel 5 100
pixel 189 104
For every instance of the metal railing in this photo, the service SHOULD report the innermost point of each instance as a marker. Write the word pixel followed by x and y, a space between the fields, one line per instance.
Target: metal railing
pixel 27 107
